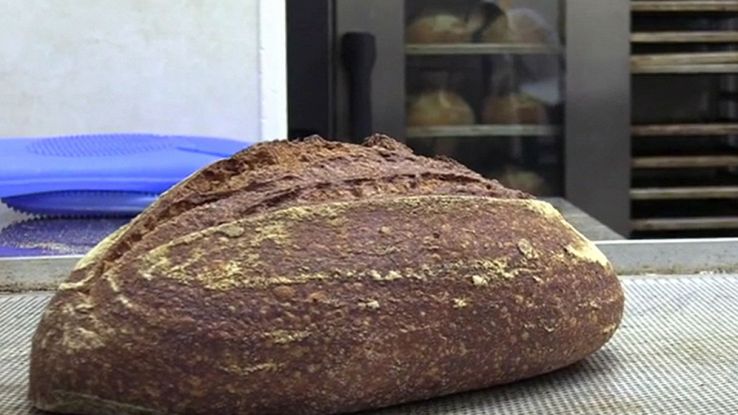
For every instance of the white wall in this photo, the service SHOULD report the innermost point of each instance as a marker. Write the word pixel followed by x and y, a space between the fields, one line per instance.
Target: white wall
pixel 205 67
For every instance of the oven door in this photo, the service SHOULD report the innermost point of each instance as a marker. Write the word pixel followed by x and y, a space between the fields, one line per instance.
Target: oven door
pixel 529 92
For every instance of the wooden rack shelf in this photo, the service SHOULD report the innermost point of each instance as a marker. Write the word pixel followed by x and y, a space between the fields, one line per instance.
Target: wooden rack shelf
pixel 685 6
pixel 666 130
pixel 482 131
pixel 685 193
pixel 481 49
pixel 685 224
pixel 687 69
pixel 678 162
pixel 688 63
pixel 696 58
pixel 685 37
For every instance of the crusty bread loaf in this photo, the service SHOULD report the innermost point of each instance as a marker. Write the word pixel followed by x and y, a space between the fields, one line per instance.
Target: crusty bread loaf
pixel 439 107
pixel 515 27
pixel 513 109
pixel 438 28
pixel 525 180
pixel 314 278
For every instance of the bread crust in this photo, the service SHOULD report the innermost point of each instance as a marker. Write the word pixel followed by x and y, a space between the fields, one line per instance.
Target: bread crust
pixel 328 301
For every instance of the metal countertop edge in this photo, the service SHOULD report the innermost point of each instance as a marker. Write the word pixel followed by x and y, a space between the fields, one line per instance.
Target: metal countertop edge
pixel 35 273
pixel 630 257
pixel 672 256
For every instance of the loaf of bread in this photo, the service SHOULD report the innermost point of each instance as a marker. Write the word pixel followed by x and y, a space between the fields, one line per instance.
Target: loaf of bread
pixel 438 28
pixel 439 107
pixel 515 27
pixel 315 277
pixel 525 180
pixel 513 109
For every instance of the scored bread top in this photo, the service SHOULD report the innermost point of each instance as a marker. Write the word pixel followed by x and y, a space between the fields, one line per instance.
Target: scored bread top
pixel 279 174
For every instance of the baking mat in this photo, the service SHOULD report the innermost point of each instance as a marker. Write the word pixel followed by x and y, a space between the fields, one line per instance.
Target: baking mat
pixel 24 235
pixel 676 353
pixel 55 236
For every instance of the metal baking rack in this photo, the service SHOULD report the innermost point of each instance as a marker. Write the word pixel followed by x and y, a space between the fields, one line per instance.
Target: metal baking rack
pixel 672 42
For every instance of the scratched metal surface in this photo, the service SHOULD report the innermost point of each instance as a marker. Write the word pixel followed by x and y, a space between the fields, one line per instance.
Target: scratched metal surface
pixel 674 354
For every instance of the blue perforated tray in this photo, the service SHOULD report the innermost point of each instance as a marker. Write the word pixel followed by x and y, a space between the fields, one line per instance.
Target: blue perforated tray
pixel 110 174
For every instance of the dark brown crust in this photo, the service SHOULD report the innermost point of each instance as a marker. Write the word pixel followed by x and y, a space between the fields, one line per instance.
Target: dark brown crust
pixel 272 175
pixel 309 307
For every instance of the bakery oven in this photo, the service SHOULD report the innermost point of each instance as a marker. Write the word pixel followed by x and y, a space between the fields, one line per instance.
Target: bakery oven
pixel 534 93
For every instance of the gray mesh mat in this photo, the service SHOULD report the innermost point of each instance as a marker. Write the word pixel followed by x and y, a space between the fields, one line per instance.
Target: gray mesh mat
pixel 674 354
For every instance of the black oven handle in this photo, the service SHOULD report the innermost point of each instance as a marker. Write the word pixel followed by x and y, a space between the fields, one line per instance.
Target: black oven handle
pixel 359 53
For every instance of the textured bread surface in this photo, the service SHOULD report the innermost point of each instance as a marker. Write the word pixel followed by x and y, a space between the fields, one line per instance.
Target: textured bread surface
pixel 315 278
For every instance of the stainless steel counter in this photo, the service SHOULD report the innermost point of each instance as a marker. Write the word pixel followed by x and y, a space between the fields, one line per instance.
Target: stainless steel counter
pixel 586 224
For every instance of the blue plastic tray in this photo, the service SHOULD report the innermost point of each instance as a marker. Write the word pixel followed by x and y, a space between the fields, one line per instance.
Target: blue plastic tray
pixel 91 175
